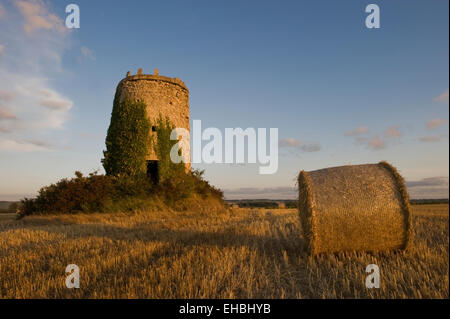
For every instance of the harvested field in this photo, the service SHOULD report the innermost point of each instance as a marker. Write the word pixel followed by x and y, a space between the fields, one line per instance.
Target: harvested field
pixel 243 253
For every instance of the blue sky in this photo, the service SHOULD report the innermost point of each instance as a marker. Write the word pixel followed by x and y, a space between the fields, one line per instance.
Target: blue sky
pixel 338 92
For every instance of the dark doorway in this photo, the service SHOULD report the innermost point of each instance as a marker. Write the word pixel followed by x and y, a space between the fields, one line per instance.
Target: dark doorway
pixel 152 171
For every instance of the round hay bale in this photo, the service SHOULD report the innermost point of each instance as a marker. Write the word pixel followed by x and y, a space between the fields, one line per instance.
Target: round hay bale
pixel 354 208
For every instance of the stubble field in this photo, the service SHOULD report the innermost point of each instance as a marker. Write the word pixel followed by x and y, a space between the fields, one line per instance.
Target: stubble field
pixel 240 253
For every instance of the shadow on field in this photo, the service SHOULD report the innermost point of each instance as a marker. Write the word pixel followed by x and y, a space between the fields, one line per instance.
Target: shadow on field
pixel 282 237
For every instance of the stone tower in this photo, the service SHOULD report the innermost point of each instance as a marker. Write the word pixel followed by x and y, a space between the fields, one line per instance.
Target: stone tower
pixel 168 97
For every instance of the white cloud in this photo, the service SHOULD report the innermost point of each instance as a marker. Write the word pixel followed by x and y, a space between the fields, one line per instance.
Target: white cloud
pixel 376 143
pixel 430 187
pixel 312 147
pixel 432 138
pixel 443 97
pixel 30 48
pixel 37 105
pixel 54 101
pixel 87 53
pixel 2 11
pixel 298 144
pixel 37 16
pixel 428 181
pixel 357 131
pixel 290 142
pixel 6 114
pixel 36 40
pixel 21 146
pixel 392 132
pixel 39 143
pixel 6 96
pixel 435 123
pixel 57 104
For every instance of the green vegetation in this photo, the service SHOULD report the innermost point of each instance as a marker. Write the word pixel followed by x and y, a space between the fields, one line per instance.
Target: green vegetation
pixel 429 201
pixel 289 203
pixel 175 182
pixel 263 203
pixel 8 207
pixel 104 193
pixel 126 186
pixel 82 194
pixel 162 147
pixel 127 141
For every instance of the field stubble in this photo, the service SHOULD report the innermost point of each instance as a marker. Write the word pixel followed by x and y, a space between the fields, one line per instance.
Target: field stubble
pixel 241 253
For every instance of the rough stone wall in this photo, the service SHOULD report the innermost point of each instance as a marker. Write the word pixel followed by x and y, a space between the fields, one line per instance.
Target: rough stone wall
pixel 162 95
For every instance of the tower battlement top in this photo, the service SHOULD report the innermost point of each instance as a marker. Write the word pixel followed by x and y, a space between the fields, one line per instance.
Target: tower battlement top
pixel 153 77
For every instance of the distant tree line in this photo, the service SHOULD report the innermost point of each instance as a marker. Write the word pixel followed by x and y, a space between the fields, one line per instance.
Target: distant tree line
pixel 272 204
pixel 269 204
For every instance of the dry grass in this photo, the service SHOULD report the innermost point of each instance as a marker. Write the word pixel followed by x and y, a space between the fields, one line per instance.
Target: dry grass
pixel 242 253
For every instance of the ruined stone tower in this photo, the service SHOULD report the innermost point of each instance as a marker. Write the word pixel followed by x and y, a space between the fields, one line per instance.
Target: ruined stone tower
pixel 165 96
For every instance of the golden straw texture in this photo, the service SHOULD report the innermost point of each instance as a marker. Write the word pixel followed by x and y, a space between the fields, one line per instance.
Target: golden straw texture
pixel 354 208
